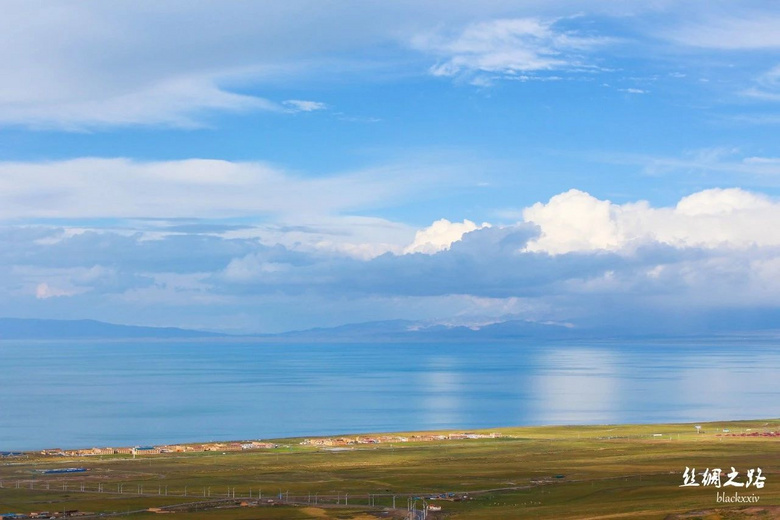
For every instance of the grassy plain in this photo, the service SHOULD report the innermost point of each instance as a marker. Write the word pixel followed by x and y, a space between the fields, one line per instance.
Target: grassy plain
pixel 557 472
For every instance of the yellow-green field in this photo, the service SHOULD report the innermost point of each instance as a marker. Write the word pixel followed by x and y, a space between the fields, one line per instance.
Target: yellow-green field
pixel 629 471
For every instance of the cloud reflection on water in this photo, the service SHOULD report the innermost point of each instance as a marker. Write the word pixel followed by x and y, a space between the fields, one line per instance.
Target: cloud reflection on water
pixel 576 385
pixel 440 386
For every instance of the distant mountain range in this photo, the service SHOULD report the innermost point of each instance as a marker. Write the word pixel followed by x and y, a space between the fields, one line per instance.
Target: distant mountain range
pixel 13 328
pixel 377 331
pixel 420 331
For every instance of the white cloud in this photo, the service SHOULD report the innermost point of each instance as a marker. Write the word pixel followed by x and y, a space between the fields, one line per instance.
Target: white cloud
pixel 731 218
pixel 95 188
pixel 767 86
pixel 298 105
pixel 732 201
pixel 354 236
pixel 84 65
pixel 81 65
pixel 440 235
pixel 252 268
pixel 43 291
pixel 731 30
pixel 60 282
pixel 714 249
pixel 573 221
pixel 173 102
pixel 508 46
pixel 723 160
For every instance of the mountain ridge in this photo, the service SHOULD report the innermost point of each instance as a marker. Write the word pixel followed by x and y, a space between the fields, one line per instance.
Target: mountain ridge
pixel 32 328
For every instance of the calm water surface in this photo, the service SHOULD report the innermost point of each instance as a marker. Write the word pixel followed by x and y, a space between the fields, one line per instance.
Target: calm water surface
pixel 84 394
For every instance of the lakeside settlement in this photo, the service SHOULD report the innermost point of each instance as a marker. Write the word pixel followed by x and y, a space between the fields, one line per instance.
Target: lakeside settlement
pixel 254 445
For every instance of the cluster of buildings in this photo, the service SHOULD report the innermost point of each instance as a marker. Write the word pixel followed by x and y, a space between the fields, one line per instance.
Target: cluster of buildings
pixel 157 450
pixel 348 441
pixel 753 434
pixel 45 514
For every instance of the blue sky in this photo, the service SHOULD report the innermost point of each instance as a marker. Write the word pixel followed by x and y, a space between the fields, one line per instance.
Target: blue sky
pixel 259 167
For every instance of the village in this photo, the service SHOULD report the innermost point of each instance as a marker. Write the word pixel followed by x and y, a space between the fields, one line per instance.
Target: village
pixel 158 450
pixel 348 441
pixel 259 445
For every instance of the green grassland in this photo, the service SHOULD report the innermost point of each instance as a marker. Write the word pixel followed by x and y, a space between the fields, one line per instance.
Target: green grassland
pixel 557 472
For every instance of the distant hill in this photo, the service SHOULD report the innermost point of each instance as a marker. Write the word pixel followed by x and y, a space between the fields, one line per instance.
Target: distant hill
pixel 366 332
pixel 421 331
pixel 14 328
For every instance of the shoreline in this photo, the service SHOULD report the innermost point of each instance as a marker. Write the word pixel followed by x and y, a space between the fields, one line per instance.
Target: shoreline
pixel 564 472
pixel 404 436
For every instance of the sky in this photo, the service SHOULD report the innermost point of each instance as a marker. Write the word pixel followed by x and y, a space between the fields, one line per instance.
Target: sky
pixel 258 167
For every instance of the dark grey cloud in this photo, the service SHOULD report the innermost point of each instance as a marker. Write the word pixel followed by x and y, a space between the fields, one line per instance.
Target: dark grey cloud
pixel 486 263
pixel 179 275
pixel 175 253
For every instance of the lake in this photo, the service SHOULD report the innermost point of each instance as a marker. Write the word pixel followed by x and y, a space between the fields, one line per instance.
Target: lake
pixel 83 394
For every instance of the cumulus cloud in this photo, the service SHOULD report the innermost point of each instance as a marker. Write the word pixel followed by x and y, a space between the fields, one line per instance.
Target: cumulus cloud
pixel 60 282
pixel 573 221
pixel 574 259
pixel 44 291
pixel 440 235
pixel 577 221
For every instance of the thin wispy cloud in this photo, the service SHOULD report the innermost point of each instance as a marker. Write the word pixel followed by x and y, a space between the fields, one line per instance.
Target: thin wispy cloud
pixel 110 188
pixel 732 28
pixel 509 47
pixel 766 87
pixel 708 160
pixel 298 105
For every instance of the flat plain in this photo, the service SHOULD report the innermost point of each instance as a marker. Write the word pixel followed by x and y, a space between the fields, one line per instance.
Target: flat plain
pixel 555 472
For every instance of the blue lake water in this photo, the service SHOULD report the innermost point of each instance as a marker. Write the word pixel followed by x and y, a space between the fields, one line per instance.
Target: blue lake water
pixel 84 394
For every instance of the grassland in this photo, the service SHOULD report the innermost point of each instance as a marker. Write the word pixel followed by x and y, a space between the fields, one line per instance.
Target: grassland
pixel 627 471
